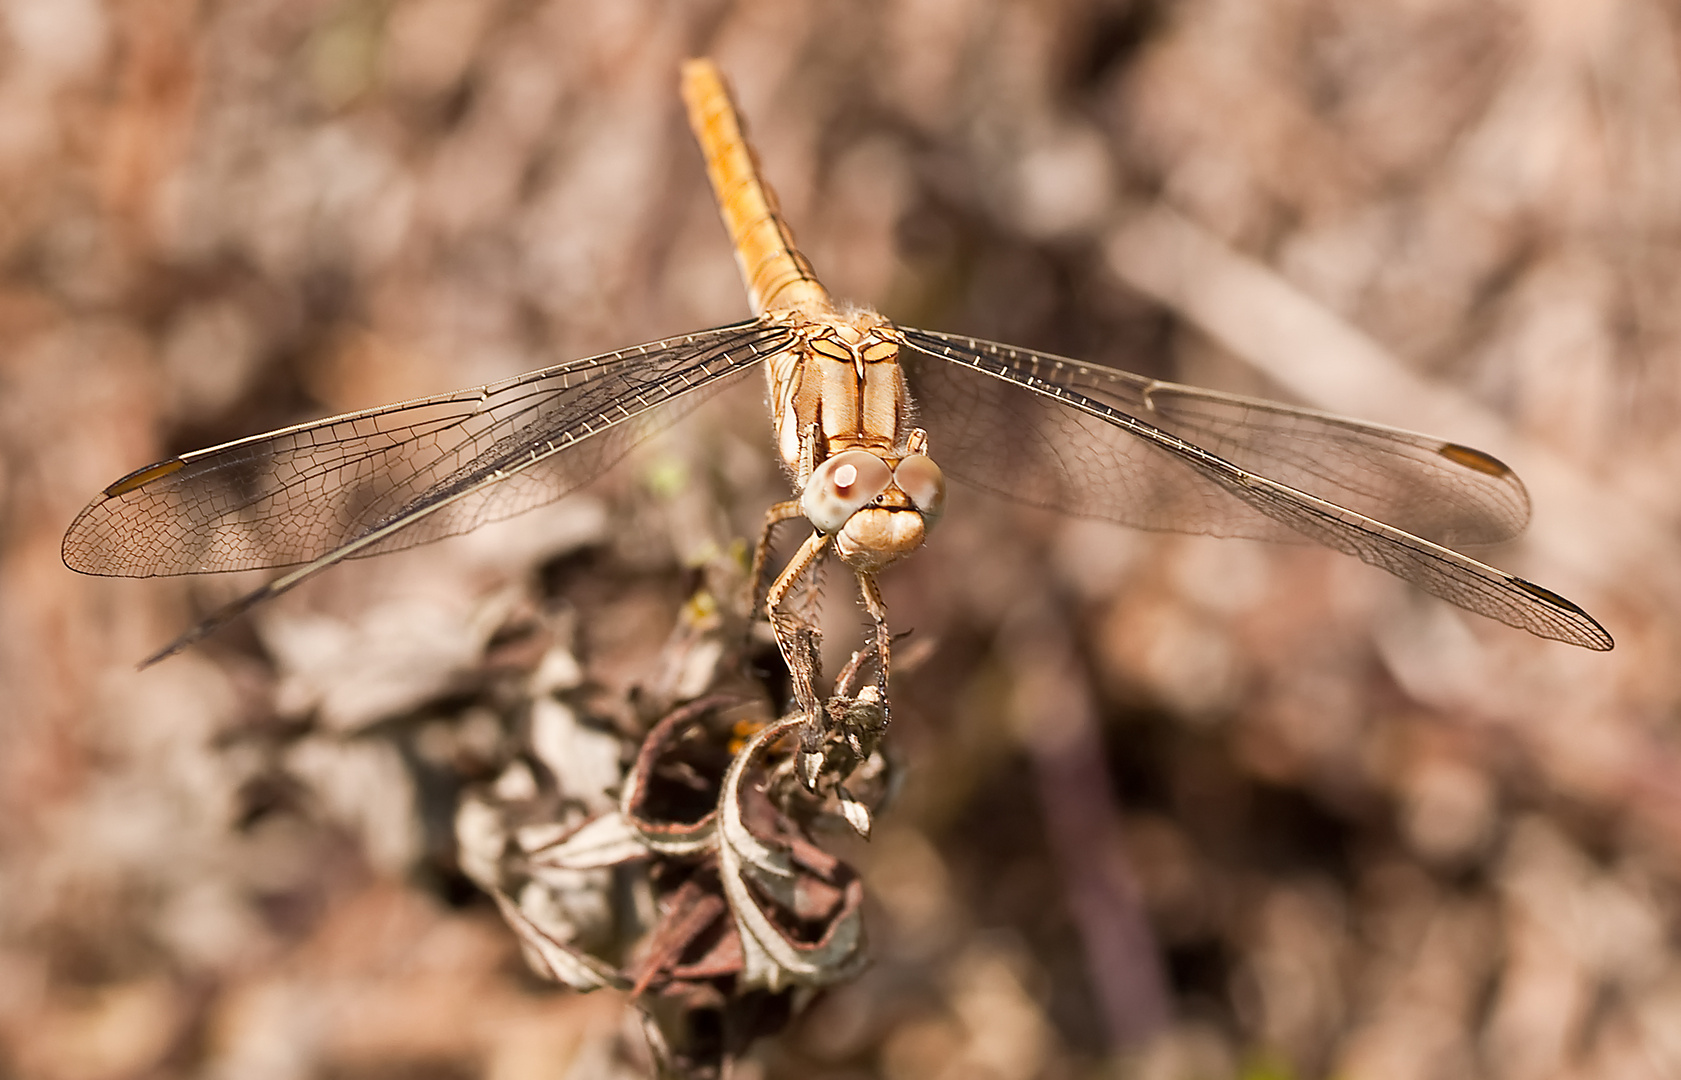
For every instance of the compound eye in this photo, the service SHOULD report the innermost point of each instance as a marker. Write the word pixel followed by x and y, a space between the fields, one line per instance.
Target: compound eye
pixel 921 479
pixel 842 486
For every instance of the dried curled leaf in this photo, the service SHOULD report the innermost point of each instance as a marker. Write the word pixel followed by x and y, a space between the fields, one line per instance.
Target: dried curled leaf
pixel 555 958
pixel 798 909
pixel 604 840
pixel 670 795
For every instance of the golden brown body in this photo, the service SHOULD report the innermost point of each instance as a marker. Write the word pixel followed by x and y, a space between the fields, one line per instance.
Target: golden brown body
pixel 838 387
pixel 837 393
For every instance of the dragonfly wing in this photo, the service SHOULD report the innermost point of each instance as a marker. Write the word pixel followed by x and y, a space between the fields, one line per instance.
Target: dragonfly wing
pixel 1442 491
pixel 1035 445
pixel 401 474
pixel 1003 425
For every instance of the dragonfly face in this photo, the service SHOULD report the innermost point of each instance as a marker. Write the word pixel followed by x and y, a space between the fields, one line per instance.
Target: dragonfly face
pixel 878 512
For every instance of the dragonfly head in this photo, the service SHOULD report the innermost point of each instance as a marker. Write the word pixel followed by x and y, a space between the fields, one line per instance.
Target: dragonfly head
pixel 877 512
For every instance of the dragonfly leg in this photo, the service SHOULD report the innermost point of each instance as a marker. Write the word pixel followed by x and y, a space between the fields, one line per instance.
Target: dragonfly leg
pixel 877 608
pixel 844 734
pixel 798 565
pixel 776 515
pixel 793 636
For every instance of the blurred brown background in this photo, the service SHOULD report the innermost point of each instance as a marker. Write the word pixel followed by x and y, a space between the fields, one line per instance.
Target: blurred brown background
pixel 1172 807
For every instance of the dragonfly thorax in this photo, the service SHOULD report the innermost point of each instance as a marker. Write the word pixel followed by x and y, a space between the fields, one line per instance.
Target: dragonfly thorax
pixel 843 426
pixel 838 386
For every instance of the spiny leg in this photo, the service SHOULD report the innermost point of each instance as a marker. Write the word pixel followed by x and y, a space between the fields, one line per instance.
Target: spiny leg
pixel 801 660
pixel 776 515
pixel 857 721
pixel 877 608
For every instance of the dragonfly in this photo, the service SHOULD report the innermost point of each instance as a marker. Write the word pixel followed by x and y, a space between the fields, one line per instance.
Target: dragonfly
pixel 861 409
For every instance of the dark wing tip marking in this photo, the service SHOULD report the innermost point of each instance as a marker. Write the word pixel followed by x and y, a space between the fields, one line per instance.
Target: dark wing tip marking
pixel 1546 594
pixel 139 478
pixel 1594 636
pixel 1475 460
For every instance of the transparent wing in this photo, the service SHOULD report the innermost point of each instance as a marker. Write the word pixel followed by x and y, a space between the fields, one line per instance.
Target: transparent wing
pixel 1102 443
pixel 401 474
pixel 1442 491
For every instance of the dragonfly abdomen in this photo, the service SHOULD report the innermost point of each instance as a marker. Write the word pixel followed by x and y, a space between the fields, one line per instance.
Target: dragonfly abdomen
pixel 777 276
